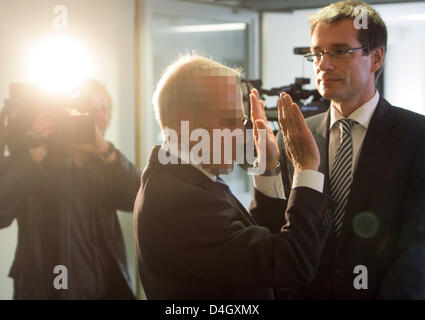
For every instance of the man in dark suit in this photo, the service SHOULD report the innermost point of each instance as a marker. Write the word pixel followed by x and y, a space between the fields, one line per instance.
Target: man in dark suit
pixel 194 239
pixel 373 159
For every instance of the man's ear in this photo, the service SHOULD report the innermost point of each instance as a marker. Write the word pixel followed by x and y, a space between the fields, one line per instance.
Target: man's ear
pixel 377 55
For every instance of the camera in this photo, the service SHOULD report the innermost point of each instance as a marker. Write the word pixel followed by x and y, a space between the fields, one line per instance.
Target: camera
pixel 73 116
pixel 310 102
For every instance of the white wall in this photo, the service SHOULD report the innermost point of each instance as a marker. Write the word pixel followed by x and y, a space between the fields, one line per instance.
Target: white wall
pixel 404 64
pixel 281 33
pixel 106 29
pixel 405 61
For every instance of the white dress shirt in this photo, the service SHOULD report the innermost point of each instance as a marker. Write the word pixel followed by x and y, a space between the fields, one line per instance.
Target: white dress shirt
pixel 272 186
pixel 362 115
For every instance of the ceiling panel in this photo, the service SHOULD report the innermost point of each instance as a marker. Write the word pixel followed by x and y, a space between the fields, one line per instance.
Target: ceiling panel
pixel 284 5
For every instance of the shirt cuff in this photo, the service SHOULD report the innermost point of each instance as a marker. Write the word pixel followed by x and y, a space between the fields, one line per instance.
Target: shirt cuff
pixel 271 186
pixel 310 179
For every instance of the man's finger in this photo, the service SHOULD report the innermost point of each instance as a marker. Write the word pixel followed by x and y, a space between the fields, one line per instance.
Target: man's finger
pixel 294 117
pixel 281 117
pixel 294 113
pixel 257 94
pixel 287 114
pixel 256 135
pixel 257 106
pixel 297 118
pixel 260 125
pixel 287 147
pixel 263 111
pixel 254 112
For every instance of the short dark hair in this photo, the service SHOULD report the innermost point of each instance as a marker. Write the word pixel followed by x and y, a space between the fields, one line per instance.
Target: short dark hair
pixel 375 36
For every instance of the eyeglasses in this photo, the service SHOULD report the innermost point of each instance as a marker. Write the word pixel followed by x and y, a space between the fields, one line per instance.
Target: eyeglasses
pixel 337 53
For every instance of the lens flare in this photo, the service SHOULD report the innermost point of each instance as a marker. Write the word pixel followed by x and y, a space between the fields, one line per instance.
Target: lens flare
pixel 365 225
pixel 59 64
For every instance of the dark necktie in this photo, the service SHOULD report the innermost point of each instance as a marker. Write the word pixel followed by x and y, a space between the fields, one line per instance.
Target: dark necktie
pixel 341 178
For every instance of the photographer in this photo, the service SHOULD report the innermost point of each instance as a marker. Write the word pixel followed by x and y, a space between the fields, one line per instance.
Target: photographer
pixel 65 204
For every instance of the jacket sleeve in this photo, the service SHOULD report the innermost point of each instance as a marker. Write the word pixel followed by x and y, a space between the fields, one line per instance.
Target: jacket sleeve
pixel 268 212
pixel 18 175
pixel 123 180
pixel 406 277
pixel 212 242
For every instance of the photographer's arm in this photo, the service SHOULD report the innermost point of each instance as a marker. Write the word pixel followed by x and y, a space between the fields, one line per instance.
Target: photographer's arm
pixel 123 180
pixel 122 177
pixel 19 173
pixel 17 178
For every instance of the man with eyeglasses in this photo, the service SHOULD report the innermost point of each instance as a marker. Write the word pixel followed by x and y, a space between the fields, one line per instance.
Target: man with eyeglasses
pixel 373 158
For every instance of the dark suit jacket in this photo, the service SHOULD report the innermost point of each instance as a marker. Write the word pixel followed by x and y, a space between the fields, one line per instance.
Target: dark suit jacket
pixel 23 196
pixel 196 241
pixel 384 223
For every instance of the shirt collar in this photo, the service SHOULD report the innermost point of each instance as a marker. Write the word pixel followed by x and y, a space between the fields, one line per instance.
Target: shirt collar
pixel 186 155
pixel 362 115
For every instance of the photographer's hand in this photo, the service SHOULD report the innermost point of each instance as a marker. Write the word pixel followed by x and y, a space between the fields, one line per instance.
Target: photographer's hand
pixel 259 120
pixel 300 145
pixel 43 125
pixel 100 147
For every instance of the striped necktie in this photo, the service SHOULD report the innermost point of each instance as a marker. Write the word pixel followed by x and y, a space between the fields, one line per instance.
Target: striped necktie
pixel 341 178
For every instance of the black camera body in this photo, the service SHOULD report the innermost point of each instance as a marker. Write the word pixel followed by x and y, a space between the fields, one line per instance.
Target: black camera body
pixel 73 117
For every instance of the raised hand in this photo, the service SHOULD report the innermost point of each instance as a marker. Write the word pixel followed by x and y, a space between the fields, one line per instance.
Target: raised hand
pixel 300 145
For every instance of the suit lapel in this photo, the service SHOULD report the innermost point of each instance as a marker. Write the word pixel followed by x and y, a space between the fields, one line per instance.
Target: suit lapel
pixel 194 176
pixel 377 146
pixel 242 209
pixel 218 190
pixel 320 132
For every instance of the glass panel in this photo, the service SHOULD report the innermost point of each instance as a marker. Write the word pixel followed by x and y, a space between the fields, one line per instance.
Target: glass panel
pixel 222 41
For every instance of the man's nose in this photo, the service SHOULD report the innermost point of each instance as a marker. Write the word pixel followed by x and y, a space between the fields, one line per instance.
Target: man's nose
pixel 325 63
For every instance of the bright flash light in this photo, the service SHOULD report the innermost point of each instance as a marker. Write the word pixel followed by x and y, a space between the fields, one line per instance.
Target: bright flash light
pixel 59 64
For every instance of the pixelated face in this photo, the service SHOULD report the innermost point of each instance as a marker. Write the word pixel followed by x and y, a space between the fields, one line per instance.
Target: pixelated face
pixel 222 115
pixel 223 99
pixel 340 79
